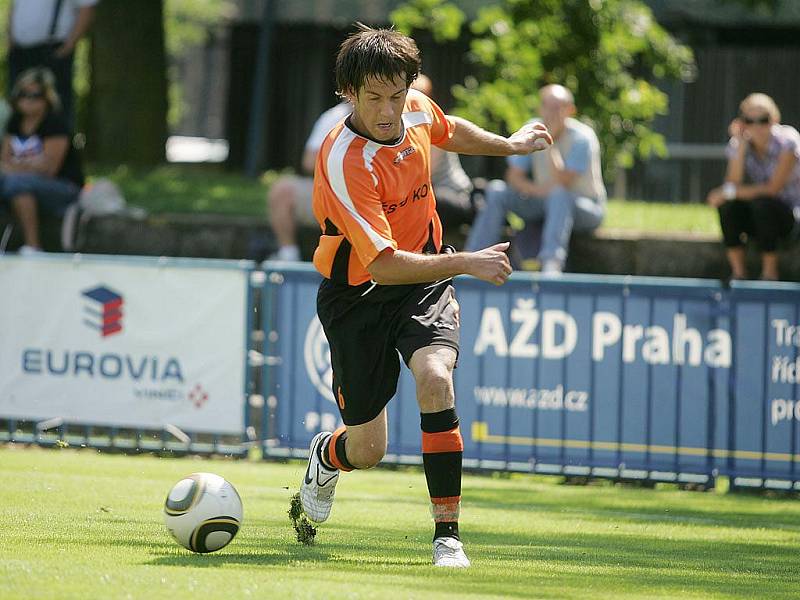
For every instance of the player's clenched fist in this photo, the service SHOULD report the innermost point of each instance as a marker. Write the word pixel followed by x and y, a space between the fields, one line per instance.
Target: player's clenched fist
pixel 531 137
pixel 491 264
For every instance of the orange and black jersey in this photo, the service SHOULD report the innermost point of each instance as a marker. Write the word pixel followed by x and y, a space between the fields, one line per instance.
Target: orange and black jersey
pixel 369 197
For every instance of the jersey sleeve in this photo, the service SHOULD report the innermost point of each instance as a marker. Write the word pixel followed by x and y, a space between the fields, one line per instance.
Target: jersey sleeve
pixel 442 126
pixel 356 209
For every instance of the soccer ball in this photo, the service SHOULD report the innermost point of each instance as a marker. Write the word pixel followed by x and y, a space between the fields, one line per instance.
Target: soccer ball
pixel 203 512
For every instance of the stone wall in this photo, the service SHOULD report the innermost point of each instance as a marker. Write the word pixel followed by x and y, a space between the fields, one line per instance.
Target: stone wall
pixel 217 236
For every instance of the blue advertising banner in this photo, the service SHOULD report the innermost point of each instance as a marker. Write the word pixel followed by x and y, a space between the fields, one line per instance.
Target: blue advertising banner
pixel 764 400
pixel 608 376
pixel 298 377
pixel 606 373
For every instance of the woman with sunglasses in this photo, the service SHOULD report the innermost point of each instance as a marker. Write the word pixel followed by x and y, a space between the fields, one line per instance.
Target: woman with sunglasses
pixel 40 169
pixel 761 193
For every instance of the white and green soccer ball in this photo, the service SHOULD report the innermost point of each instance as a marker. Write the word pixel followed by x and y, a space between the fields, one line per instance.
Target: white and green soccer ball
pixel 203 512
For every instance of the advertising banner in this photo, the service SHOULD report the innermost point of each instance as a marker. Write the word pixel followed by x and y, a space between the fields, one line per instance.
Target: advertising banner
pixel 125 342
pixel 665 379
pixel 765 406
pixel 593 371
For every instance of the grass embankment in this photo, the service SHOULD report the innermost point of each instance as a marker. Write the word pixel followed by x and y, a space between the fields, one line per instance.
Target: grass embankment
pixel 204 188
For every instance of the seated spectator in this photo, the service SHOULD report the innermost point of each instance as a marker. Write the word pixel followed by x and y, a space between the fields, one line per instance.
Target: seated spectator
pixel 289 198
pixel 561 187
pixel 44 33
pixel 761 193
pixel 451 184
pixel 40 168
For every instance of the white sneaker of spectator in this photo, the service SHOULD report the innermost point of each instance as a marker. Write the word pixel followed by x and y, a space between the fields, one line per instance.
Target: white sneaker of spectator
pixel 288 253
pixel 552 267
pixel 29 251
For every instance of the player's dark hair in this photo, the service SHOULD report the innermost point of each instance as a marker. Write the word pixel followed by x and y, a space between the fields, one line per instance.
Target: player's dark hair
pixel 378 53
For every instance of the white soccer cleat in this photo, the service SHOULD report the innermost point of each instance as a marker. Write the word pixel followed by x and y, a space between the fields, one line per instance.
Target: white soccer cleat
pixel 319 483
pixel 449 552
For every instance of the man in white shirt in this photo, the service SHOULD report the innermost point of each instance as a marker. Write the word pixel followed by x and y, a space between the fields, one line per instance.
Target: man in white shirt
pixel 44 33
pixel 289 198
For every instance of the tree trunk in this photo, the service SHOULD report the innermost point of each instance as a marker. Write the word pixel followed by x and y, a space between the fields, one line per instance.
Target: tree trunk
pixel 128 96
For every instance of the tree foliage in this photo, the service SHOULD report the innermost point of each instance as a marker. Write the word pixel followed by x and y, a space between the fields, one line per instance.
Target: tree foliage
pixel 610 53
pixel 444 20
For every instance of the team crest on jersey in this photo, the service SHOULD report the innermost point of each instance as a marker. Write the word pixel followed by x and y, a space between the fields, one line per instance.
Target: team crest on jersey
pixel 403 153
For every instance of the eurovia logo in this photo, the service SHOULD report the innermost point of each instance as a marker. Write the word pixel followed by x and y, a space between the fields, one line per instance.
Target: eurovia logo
pixel 102 310
pixel 147 375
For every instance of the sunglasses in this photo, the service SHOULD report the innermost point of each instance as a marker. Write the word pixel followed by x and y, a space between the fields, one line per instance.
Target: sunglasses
pixel 31 95
pixel 759 121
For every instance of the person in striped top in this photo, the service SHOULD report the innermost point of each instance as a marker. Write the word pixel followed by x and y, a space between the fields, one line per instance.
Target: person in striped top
pixel 387 278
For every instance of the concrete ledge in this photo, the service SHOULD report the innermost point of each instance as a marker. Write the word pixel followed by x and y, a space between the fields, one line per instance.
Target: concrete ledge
pixel 669 254
pixel 224 236
pixel 636 253
pixel 194 235
pixel 49 231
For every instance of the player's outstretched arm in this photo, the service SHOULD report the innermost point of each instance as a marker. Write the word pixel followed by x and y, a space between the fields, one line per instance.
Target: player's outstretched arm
pixel 399 267
pixel 468 138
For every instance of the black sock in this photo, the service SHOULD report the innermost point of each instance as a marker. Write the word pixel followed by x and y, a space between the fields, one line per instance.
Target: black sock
pixel 333 455
pixel 442 449
pixel 444 529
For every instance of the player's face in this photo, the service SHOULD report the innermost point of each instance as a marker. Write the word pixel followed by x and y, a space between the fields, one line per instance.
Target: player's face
pixel 378 107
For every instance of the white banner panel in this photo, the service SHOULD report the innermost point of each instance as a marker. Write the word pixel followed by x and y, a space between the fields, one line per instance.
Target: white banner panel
pixel 123 342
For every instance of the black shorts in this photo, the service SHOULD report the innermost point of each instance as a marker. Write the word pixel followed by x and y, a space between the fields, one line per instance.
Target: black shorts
pixel 368 325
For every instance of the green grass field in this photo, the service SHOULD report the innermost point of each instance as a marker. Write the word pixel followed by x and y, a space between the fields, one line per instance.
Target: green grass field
pixel 78 524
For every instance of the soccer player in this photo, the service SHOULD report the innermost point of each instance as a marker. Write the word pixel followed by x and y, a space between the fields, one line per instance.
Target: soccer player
pixel 387 284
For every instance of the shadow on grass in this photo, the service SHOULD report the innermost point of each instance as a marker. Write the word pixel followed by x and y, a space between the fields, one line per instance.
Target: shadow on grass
pixel 651 509
pixel 513 565
pixel 370 551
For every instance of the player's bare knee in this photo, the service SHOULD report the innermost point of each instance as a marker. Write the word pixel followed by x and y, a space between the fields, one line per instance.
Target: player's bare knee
pixel 435 387
pixel 367 456
pixel 434 379
pixel 435 359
